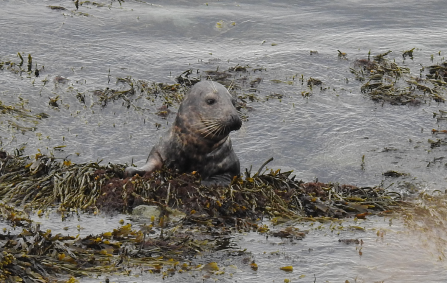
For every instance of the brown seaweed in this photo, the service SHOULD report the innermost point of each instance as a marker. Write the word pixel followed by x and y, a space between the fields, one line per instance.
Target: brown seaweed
pixel 386 81
pixel 41 182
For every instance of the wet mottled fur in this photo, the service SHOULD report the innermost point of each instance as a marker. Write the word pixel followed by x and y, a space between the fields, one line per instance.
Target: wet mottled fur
pixel 198 140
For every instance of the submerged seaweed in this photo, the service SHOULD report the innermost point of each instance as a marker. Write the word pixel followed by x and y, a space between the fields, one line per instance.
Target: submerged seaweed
pixel 429 214
pixel 19 118
pixel 31 255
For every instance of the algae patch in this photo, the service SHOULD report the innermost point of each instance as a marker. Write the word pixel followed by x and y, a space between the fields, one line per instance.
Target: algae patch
pixel 210 214
pixel 386 81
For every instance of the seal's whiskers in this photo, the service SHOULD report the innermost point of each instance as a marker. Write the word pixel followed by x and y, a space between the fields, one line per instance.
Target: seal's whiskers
pixel 204 124
pixel 214 87
pixel 221 130
pixel 215 130
pixel 209 127
pixel 212 127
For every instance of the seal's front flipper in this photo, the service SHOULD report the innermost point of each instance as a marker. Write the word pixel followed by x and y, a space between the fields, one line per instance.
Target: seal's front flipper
pixel 153 163
pixel 132 171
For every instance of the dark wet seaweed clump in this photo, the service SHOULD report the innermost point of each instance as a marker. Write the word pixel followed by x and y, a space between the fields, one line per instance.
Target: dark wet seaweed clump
pixel 387 82
pixel 43 181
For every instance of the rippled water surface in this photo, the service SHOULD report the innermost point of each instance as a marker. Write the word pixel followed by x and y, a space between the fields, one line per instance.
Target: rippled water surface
pixel 323 136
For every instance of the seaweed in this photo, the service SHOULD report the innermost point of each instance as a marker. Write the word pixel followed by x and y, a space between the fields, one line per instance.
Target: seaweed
pixel 440 134
pixel 33 255
pixel 342 55
pixel 42 182
pixel 133 90
pixel 17 68
pixel 237 79
pixel 59 8
pixel 428 214
pixel 408 53
pixel 438 73
pixel 24 120
pixel 394 174
pixel 234 78
pixel 386 81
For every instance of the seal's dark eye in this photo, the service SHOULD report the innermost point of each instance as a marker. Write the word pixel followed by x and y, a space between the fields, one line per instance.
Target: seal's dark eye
pixel 211 101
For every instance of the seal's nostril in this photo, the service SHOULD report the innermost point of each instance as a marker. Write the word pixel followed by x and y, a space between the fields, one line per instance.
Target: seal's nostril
pixel 236 122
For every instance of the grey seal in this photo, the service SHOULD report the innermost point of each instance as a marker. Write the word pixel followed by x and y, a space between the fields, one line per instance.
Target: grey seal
pixel 199 138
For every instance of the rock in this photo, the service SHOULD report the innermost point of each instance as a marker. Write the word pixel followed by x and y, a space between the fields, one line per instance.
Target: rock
pixel 147 211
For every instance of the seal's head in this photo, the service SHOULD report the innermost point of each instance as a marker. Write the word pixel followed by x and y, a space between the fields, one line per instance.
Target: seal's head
pixel 208 111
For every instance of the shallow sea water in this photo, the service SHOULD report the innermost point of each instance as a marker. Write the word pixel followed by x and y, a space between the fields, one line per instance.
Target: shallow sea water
pixel 323 136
